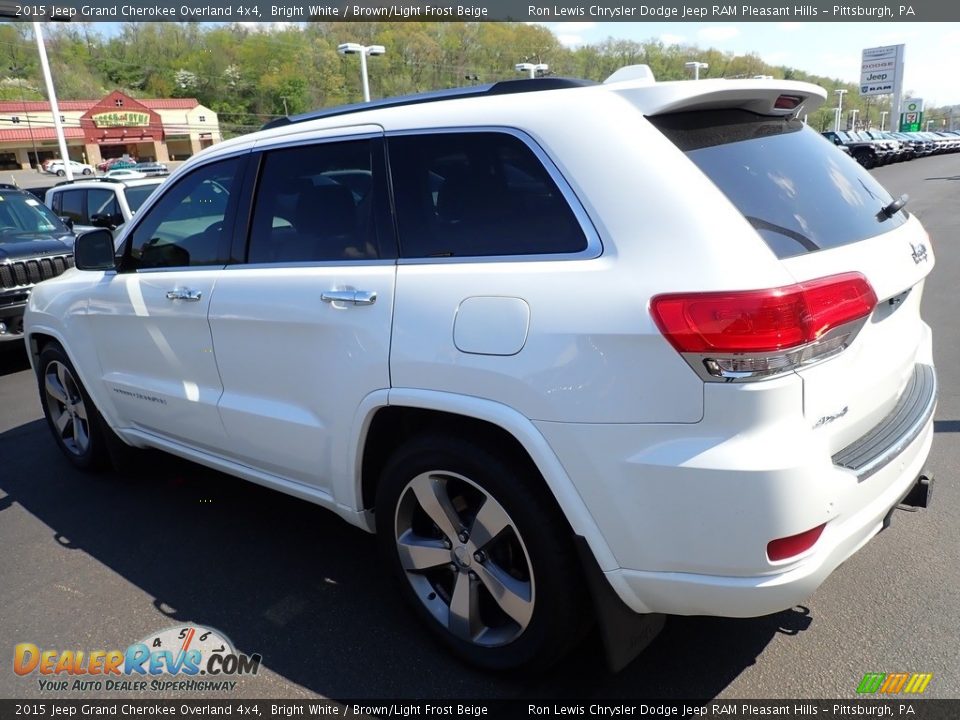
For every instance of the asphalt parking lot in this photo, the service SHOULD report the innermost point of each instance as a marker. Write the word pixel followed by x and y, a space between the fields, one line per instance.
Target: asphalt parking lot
pixel 99 562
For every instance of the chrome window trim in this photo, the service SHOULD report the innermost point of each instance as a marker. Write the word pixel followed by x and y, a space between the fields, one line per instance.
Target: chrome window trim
pixel 594 247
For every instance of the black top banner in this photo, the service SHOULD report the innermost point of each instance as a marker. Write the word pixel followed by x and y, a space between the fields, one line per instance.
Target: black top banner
pixel 474 10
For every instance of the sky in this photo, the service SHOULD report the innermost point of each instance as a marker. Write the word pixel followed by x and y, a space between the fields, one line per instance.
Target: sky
pixel 932 53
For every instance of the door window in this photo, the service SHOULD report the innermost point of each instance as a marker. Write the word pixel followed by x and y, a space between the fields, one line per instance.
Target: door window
pixel 72 206
pixel 317 203
pixel 190 224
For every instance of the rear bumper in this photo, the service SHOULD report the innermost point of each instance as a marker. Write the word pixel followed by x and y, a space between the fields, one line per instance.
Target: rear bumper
pixel 696 594
pixel 688 516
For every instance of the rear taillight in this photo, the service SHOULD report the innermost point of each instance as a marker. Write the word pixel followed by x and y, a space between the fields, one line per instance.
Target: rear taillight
pixel 788 547
pixel 749 334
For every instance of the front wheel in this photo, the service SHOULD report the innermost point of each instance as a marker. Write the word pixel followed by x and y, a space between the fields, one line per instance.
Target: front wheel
pixel 61 173
pixel 481 553
pixel 73 420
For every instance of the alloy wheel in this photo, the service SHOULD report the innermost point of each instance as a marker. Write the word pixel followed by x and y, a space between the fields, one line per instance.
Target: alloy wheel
pixel 67 409
pixel 465 559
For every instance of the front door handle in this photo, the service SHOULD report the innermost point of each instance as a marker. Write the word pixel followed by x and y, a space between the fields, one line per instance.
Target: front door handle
pixel 184 294
pixel 353 297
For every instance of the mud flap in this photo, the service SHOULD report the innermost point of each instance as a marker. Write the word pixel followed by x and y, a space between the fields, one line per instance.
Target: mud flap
pixel 625 633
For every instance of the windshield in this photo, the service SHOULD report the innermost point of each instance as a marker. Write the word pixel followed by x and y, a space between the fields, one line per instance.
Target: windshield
pixel 791 184
pixel 24 214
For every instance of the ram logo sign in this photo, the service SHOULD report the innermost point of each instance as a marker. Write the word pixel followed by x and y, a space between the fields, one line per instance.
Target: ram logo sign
pixel 894 683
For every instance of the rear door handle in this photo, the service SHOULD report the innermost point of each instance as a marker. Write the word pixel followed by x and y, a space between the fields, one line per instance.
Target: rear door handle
pixel 184 294
pixel 352 297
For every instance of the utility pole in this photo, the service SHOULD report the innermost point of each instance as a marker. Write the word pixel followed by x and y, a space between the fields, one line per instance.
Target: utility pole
pixel 33 140
pixel 883 119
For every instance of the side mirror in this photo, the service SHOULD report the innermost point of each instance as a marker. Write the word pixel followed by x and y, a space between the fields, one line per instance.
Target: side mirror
pixel 94 251
pixel 67 221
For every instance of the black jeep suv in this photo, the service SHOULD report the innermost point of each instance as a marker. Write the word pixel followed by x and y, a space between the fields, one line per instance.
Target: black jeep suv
pixel 34 245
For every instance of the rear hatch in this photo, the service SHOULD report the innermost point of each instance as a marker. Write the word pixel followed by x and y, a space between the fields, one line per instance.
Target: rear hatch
pixel 823 215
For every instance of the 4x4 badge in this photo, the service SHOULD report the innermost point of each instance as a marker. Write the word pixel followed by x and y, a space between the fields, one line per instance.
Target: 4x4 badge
pixel 919 253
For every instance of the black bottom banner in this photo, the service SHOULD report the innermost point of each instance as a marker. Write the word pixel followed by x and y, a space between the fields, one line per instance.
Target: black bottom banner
pixel 919 709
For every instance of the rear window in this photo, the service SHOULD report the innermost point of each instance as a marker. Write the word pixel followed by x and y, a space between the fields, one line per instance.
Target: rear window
pixel 792 185
pixel 137 194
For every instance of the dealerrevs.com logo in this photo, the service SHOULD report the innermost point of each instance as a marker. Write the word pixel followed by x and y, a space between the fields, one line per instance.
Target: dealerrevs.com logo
pixel 186 657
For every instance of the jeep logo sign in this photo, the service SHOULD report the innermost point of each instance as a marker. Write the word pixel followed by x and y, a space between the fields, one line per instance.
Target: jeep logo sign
pixel 876 77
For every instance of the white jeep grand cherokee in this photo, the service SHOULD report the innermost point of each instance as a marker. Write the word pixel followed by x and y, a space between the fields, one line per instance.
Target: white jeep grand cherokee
pixel 637 348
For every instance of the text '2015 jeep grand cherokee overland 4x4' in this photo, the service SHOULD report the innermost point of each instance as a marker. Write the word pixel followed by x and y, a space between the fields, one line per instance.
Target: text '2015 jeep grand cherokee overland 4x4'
pixel 651 346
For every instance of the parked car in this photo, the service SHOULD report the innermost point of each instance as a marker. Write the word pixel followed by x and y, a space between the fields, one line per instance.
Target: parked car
pixel 34 246
pixel 99 202
pixel 152 168
pixel 679 368
pixel 119 163
pixel 125 174
pixel 58 167
pixel 865 151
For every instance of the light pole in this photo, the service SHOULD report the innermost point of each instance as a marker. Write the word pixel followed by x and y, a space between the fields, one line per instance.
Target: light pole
pixel 853 121
pixel 929 123
pixel 839 108
pixel 696 67
pixel 363 51
pixel 883 119
pixel 33 140
pixel 54 107
pixel 531 68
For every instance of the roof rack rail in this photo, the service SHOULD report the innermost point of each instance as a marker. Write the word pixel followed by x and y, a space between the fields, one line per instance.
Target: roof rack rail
pixel 504 87
pixel 87 178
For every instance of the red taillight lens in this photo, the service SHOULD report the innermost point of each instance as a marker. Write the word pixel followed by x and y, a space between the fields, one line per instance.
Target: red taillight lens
pixel 794 545
pixel 762 320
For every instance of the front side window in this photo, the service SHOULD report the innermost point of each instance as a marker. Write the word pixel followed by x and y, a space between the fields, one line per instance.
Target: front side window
pixel 103 208
pixel 72 206
pixel 186 226
pixel 477 194
pixel 316 204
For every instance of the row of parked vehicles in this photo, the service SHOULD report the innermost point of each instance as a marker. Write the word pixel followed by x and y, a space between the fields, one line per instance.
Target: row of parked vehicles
pixel 123 167
pixel 874 147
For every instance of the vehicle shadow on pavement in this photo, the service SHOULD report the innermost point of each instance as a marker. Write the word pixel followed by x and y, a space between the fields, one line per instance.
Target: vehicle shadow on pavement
pixel 290 581
pixel 13 358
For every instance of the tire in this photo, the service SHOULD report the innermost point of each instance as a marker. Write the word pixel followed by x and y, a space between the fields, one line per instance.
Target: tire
pixel 74 421
pixel 61 173
pixel 87 171
pixel 530 562
pixel 866 160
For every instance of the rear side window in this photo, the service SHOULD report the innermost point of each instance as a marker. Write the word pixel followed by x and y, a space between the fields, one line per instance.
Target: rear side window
pixel 477 194
pixel 793 187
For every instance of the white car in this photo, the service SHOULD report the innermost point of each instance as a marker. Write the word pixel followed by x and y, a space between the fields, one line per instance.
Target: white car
pixel 125 174
pixel 569 349
pixel 58 167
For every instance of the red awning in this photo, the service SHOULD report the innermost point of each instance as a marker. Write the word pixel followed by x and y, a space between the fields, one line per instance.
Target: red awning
pixel 43 133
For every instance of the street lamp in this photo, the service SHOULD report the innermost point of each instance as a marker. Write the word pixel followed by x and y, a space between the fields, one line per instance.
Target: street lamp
pixel 883 119
pixel 532 68
pixel 362 51
pixel 696 67
pixel 839 108
pixel 929 123
pixel 853 121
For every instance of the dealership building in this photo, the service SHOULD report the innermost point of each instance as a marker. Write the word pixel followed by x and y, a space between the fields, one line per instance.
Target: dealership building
pixel 114 126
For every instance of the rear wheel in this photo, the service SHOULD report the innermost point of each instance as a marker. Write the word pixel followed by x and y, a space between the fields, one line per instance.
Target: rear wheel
pixel 481 553
pixel 71 416
pixel 61 173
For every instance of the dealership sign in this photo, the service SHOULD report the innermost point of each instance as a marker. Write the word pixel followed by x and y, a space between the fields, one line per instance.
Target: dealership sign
pixel 121 119
pixel 880 70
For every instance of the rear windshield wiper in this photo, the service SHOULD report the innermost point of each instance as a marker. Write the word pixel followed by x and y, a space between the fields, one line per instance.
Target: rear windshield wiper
pixel 893 208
